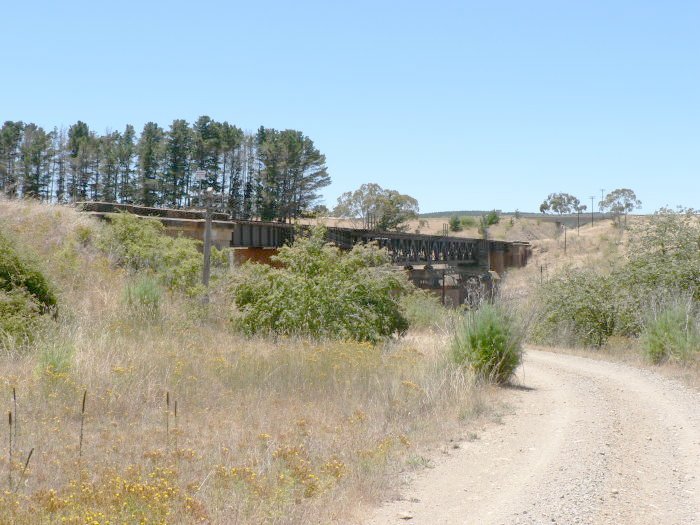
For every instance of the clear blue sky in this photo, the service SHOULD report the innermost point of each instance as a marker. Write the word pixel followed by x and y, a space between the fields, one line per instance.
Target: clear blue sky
pixel 463 105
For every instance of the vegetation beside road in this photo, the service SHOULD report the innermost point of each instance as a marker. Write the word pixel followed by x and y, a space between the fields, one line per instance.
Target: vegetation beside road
pixel 187 420
pixel 616 286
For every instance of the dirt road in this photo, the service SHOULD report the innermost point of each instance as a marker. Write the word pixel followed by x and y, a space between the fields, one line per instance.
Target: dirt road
pixel 583 441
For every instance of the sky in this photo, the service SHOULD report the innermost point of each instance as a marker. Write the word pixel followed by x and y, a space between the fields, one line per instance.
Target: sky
pixel 462 105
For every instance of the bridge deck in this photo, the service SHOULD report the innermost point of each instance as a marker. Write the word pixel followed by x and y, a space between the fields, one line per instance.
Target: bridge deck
pixel 406 249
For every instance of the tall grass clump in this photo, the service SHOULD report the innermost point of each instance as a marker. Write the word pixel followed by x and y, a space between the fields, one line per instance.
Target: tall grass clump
pixel 55 356
pixel 489 342
pixel 143 296
pixel 671 335
pixel 423 310
pixel 321 291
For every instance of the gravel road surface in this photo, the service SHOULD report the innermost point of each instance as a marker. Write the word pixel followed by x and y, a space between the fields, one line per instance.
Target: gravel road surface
pixel 582 441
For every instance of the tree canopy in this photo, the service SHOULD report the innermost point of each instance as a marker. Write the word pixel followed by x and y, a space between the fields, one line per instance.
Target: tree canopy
pixel 561 203
pixel 620 202
pixel 271 174
pixel 377 207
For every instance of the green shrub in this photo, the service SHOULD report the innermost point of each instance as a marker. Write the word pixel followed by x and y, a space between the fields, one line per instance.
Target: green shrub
pixel 25 294
pixel 142 245
pixel 22 271
pixel 455 224
pixel 19 315
pixel 671 335
pixel 578 304
pixel 489 342
pixel 492 218
pixel 321 291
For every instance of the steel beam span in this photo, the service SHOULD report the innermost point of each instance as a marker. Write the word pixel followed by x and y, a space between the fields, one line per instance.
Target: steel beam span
pixel 404 248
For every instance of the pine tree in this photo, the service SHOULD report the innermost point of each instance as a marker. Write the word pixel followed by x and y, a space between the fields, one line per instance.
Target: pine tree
pixel 78 138
pixel 109 149
pixel 35 157
pixel 206 150
pixel 126 151
pixel 10 140
pixel 151 152
pixel 178 154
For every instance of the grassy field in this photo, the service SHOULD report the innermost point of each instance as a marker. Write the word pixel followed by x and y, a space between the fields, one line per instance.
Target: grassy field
pixel 186 421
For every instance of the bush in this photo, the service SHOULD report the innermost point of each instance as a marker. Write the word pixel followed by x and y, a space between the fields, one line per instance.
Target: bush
pixel 141 244
pixel 19 314
pixel 671 335
pixel 455 224
pixel 20 271
pixel 25 294
pixel 321 291
pixel 491 218
pixel 489 342
pixel 585 307
pixel 579 304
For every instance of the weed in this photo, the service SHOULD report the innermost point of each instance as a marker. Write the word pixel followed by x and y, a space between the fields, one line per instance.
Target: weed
pixel 55 356
pixel 489 342
pixel 671 334
pixel 142 296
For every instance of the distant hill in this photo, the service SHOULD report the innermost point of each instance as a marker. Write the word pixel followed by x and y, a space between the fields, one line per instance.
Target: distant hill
pixel 476 213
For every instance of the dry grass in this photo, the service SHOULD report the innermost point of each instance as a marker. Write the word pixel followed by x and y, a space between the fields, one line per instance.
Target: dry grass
pixel 597 246
pixel 509 228
pixel 266 431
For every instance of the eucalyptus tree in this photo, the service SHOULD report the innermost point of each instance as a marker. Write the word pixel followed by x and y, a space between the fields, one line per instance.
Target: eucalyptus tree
pixel 620 202
pixel 560 203
pixel 377 207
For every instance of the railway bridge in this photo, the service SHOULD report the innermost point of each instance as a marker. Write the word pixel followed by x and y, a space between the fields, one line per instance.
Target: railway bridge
pixel 434 261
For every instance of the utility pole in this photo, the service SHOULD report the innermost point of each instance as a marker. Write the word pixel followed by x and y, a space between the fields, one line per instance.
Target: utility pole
pixel 206 267
pixel 592 197
pixel 443 287
pixel 578 220
pixel 207 196
pixel 564 227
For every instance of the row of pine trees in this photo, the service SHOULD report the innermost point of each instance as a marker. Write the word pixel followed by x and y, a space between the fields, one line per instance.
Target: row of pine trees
pixel 270 174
